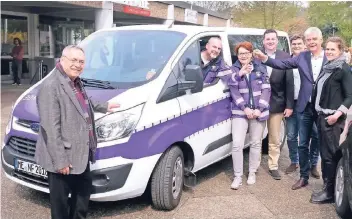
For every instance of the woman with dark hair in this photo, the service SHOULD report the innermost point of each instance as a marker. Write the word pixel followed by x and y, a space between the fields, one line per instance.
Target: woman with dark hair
pixel 250 91
pixel 332 98
pixel 17 55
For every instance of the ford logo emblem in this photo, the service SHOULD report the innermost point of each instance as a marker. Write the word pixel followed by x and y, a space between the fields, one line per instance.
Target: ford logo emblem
pixel 35 127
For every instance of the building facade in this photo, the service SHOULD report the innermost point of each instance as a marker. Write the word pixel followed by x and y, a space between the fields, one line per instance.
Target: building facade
pixel 46 27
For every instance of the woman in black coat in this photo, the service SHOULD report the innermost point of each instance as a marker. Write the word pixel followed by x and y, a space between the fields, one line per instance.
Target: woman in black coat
pixel 332 99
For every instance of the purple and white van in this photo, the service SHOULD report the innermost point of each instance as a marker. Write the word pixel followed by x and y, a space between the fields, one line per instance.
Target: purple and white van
pixel 169 126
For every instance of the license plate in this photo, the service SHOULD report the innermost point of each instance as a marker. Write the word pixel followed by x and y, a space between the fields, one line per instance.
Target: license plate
pixel 30 168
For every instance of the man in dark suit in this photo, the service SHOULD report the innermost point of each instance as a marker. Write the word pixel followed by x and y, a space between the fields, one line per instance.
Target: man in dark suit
pixel 292 123
pixel 67 140
pixel 281 99
pixel 309 64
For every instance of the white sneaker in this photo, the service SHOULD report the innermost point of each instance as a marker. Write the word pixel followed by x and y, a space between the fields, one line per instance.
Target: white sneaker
pixel 251 179
pixel 237 182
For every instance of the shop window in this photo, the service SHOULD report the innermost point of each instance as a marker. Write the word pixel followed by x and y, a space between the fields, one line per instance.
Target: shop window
pixel 13 27
pixel 45 41
pixel 57 33
pixel 67 33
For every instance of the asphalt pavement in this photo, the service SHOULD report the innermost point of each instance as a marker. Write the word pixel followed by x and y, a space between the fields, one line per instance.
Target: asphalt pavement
pixel 211 198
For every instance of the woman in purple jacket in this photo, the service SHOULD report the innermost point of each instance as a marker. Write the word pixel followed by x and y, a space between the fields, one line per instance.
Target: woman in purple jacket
pixel 250 91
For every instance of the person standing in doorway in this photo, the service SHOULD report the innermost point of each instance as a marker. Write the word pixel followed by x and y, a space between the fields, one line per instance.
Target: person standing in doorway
pixel 17 55
pixel 297 45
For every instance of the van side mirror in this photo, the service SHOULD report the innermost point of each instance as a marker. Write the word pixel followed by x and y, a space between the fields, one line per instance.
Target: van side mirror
pixel 193 79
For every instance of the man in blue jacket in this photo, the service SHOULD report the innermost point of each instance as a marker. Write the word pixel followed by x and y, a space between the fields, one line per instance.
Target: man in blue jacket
pixel 213 65
pixel 309 64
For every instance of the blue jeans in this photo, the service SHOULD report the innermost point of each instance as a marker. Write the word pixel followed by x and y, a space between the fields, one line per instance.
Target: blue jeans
pixel 307 130
pixel 292 125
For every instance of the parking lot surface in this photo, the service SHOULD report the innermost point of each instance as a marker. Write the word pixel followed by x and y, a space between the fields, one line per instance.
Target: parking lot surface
pixel 211 198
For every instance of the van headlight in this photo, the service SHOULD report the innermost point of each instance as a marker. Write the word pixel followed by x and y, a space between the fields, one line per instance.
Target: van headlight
pixel 8 127
pixel 118 125
pixel 9 124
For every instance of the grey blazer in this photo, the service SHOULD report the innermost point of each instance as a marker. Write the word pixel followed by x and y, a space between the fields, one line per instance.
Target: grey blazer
pixel 63 136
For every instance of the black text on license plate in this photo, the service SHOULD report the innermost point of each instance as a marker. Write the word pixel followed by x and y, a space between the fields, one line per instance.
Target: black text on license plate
pixel 30 168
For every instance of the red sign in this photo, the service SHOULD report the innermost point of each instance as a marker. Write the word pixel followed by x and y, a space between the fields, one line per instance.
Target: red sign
pixel 134 10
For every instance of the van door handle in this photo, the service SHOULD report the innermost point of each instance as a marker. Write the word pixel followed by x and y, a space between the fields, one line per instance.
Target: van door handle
pixel 226 90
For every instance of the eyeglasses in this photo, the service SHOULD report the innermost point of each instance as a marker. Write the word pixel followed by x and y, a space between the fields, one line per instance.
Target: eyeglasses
pixel 244 54
pixel 74 61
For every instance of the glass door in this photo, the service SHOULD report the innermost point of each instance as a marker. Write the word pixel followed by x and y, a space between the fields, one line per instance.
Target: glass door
pixel 68 33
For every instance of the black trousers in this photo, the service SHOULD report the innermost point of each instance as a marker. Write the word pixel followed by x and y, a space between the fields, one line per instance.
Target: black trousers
pixel 80 187
pixel 16 70
pixel 329 138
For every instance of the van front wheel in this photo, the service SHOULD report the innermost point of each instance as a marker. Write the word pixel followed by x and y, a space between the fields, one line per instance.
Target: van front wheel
pixel 167 180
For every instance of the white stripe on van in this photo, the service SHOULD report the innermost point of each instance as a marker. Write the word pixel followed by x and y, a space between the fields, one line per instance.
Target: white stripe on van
pixel 243 90
pixel 257 93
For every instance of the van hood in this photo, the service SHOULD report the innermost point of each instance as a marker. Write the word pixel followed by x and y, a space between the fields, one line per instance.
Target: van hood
pixel 26 107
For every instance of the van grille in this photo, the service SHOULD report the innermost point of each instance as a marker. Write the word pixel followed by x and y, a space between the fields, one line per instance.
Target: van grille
pixel 23 146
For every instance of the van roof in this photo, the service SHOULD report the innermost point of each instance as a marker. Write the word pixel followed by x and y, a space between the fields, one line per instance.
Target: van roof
pixel 192 30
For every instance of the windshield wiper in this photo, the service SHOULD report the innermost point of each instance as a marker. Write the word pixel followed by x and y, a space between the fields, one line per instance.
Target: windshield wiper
pixel 97 83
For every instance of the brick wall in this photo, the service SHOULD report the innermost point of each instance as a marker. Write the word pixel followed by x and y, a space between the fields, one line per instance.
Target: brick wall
pixel 158 9
pixel 179 14
pixel 216 22
pixel 200 18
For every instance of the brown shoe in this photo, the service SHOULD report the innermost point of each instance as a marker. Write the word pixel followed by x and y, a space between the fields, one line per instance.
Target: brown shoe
pixel 292 168
pixel 314 172
pixel 300 184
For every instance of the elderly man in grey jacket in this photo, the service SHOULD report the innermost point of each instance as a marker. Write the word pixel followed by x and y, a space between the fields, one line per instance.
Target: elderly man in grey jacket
pixel 67 140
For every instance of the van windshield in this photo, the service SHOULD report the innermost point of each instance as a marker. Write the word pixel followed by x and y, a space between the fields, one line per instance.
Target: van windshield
pixel 124 58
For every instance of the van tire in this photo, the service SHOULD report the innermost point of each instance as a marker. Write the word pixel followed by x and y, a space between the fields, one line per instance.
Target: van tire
pixel 162 180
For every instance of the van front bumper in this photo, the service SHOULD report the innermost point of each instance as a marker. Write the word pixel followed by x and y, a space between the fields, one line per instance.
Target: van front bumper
pixel 113 179
pixel 103 180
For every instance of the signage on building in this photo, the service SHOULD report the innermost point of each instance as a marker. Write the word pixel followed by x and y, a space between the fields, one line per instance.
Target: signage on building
pixel 138 4
pixel 134 10
pixel 191 16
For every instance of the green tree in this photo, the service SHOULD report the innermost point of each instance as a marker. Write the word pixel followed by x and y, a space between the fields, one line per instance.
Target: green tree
pixel 333 18
pixel 265 14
